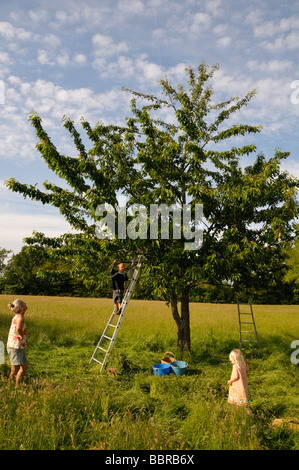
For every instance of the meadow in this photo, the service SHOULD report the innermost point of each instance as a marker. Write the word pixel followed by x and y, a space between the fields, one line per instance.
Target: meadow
pixel 65 403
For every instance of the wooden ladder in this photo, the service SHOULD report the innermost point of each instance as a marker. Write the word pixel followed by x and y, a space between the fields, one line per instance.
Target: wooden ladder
pixel 250 330
pixel 109 334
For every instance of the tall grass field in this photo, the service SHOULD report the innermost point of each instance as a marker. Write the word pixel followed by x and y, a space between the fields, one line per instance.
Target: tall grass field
pixel 65 403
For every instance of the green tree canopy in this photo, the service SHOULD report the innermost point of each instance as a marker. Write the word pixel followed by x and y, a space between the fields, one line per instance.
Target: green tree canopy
pixel 184 159
pixel 292 253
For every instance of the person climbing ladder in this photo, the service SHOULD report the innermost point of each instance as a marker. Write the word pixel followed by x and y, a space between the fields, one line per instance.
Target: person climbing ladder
pixel 109 334
pixel 118 284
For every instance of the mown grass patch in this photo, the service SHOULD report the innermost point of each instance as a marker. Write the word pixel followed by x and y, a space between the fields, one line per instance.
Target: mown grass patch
pixel 65 403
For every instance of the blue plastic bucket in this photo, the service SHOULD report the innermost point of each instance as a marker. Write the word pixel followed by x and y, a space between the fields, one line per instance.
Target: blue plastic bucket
pixel 179 367
pixel 161 369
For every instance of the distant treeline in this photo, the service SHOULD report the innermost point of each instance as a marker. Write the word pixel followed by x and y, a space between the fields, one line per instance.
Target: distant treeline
pixel 30 273
pixel 64 285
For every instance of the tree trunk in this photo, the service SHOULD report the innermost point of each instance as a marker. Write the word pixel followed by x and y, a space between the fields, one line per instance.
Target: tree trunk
pixel 183 320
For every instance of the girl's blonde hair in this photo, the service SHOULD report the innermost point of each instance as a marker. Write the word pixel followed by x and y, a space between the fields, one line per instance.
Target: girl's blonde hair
pixel 236 355
pixel 16 306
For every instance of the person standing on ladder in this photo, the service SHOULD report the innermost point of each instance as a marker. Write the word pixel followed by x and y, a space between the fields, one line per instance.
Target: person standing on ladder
pixel 111 329
pixel 119 278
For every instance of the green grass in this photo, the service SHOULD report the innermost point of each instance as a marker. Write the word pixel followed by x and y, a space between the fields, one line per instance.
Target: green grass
pixel 65 403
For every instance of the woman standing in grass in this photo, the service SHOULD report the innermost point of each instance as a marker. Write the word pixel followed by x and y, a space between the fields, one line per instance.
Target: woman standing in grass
pixel 17 341
pixel 238 389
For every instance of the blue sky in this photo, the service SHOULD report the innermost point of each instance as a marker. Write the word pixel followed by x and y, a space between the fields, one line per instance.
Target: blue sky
pixel 72 58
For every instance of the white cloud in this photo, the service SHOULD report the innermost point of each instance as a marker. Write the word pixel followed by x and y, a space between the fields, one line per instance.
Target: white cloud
pixel 254 17
pixel 224 41
pixel 17 226
pixel 51 102
pixel 105 46
pixel 149 71
pixel 284 34
pixel 67 16
pixel 200 21
pixel 141 68
pixel 16 142
pixel 271 66
pixel 9 32
pixel 43 58
pixel 291 166
pixel 220 28
pixel 38 15
pixel 177 73
pixel 60 59
pixel 52 40
pixel 5 58
pixel 131 7
pixel 80 59
pixel 270 28
pixel 267 29
pixel 283 43
pixel 214 7
pixel 63 59
pixel 79 95
pixel 20 217
pixel 123 67
pixel 14 80
pixel 285 24
pixel 271 107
